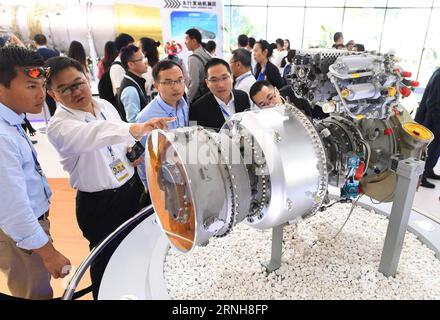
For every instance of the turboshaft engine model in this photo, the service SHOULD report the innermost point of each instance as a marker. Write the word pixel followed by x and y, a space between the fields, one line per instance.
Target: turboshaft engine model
pixel 271 166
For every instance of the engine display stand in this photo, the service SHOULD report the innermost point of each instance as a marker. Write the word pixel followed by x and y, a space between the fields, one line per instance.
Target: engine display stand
pixel 408 172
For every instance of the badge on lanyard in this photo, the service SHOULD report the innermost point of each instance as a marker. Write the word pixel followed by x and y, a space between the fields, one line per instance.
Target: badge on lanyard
pixel 119 170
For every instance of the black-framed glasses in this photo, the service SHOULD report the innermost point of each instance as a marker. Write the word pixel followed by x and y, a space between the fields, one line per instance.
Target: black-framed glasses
pixel 170 83
pixel 36 72
pixel 70 89
pixel 218 80
pixel 270 97
pixel 144 59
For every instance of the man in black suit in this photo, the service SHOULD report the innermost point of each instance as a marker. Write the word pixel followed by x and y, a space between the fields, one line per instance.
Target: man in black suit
pixel 428 114
pixel 215 107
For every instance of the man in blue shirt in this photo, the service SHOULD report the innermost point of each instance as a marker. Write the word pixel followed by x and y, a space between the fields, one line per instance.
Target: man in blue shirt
pixel 27 256
pixel 170 84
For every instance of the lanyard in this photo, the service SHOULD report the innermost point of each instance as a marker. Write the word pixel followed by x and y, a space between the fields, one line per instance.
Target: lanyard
pixel 34 156
pixel 109 148
pixel 262 74
pixel 239 81
pixel 225 112
pixel 170 114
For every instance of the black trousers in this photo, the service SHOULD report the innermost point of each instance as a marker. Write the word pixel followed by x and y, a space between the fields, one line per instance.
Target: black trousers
pixel 100 213
pixel 433 152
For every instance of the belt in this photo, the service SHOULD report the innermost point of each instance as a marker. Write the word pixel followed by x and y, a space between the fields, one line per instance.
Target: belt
pixel 129 184
pixel 44 216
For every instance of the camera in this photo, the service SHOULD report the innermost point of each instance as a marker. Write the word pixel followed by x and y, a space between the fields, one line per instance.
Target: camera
pixel 136 151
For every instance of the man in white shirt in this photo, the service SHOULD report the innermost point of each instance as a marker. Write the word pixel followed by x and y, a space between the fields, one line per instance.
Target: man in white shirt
pixel 117 72
pixel 92 141
pixel 240 63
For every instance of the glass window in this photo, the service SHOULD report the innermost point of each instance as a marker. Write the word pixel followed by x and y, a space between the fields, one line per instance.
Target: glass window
pixel 249 2
pixel 320 25
pixel 407 42
pixel 247 20
pixel 276 25
pixel 290 3
pixel 356 21
pixel 431 54
pixel 365 3
pixel 227 29
pixel 325 3
pixel 409 3
pixel 436 3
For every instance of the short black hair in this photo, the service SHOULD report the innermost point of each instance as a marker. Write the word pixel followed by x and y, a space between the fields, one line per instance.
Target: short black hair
pixel 210 46
pixel 251 42
pixel 193 33
pixel 266 46
pixel 242 55
pixel 280 42
pixel 337 36
pixel 12 57
pixel 243 40
pixel 58 64
pixel 164 65
pixel 359 47
pixel 215 62
pixel 40 39
pixel 123 40
pixel 127 54
pixel 257 86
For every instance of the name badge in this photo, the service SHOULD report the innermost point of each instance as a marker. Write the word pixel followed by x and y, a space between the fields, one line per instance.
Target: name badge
pixel 119 170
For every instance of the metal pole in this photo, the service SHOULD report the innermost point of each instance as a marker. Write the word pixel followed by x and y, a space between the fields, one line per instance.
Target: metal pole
pixel 73 283
pixel 277 248
pixel 408 172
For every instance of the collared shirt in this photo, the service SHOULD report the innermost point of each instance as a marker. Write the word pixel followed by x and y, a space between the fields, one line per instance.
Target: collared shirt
pixel 131 102
pixel 227 109
pixel 83 141
pixel 25 193
pixel 158 108
pixel 117 73
pixel 244 83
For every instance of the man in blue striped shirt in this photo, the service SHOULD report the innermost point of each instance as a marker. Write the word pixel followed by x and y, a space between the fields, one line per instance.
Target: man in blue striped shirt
pixel 27 255
pixel 170 84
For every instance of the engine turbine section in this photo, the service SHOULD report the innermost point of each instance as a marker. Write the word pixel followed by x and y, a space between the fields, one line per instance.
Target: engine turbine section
pixel 265 167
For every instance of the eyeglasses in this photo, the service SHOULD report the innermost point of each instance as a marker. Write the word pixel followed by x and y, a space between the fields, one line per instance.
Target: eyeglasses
pixel 270 97
pixel 69 90
pixel 218 80
pixel 170 83
pixel 36 72
pixel 142 59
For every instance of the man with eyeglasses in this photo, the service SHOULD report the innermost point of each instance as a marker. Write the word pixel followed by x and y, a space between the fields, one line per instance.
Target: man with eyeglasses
pixel 92 142
pixel 132 97
pixel 221 102
pixel 265 95
pixel 241 69
pixel 27 255
pixel 169 82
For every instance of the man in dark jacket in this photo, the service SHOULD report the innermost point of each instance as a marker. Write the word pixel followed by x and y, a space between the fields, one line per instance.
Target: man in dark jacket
pixel 41 43
pixel 132 97
pixel 428 114
pixel 216 106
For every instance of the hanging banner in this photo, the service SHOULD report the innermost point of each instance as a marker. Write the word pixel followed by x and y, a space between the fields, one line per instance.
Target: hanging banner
pixel 181 15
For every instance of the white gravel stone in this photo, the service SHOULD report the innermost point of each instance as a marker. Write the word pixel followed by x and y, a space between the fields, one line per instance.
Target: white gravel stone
pixel 341 268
